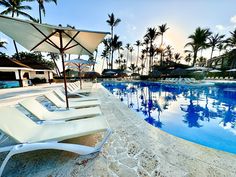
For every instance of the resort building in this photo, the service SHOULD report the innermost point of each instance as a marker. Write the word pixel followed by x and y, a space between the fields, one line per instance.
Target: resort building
pixel 14 73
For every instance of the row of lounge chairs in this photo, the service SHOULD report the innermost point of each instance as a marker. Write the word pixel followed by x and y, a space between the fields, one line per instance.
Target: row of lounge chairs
pixel 180 80
pixel 52 128
pixel 220 78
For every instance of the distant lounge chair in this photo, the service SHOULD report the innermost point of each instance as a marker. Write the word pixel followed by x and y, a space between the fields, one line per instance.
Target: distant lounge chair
pixel 59 103
pixel 62 96
pixel 30 136
pixel 38 110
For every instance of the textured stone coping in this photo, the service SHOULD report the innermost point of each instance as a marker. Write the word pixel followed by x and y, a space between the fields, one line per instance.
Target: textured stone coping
pixel 134 149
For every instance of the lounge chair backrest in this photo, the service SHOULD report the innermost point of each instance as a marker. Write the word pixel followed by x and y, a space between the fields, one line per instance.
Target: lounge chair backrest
pixel 60 94
pixel 34 107
pixel 15 123
pixel 53 98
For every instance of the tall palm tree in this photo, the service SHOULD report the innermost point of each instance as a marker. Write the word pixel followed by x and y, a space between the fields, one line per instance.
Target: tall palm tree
pixel 112 22
pixel 15 7
pixel 162 29
pixel 151 35
pixel 138 44
pixel 127 48
pixel 42 8
pixel 131 49
pixel 198 41
pixel 54 57
pixel 215 40
pixel 115 45
pixel 105 56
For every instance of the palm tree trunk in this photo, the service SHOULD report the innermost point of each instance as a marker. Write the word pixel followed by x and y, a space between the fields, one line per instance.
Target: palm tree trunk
pixel 57 69
pixel 14 42
pixel 212 52
pixel 40 15
pixel 194 58
pixel 137 57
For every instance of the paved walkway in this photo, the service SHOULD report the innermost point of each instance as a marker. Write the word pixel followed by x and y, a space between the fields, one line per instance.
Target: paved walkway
pixel 134 149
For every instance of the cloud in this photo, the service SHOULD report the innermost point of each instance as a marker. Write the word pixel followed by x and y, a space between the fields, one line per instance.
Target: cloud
pixel 233 19
pixel 220 27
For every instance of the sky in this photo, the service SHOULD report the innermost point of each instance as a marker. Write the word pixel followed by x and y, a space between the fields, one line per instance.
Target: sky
pixel 182 18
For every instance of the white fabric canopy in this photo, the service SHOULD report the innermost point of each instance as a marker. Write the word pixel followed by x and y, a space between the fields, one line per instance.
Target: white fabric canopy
pixel 46 38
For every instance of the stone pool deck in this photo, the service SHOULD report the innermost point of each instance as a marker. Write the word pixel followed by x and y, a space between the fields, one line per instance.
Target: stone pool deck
pixel 134 149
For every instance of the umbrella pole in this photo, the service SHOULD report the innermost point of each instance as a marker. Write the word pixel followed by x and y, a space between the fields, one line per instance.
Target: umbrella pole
pixel 80 79
pixel 64 77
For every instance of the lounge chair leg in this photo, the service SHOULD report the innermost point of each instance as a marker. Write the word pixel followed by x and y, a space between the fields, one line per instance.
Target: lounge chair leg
pixel 100 145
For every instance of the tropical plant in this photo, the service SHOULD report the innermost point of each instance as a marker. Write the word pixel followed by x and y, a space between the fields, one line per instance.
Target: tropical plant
pixel 215 40
pixel 188 58
pixel 105 57
pixel 198 42
pixel 115 45
pixel 42 8
pixel 15 7
pixel 131 49
pixel 127 48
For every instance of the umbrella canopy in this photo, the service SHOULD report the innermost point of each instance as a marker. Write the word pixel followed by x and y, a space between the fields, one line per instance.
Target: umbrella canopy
pixel 179 71
pixel 80 64
pixel 75 68
pixel 215 71
pixel 232 70
pixel 48 38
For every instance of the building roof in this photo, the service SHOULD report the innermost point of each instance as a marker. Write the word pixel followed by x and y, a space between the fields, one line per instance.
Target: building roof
pixel 13 63
pixel 5 62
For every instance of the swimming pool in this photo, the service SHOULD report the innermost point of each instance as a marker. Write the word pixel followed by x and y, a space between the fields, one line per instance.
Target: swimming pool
pixel 9 84
pixel 204 115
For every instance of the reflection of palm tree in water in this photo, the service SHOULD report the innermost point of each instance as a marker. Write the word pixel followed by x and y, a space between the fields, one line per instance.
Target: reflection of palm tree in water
pixel 192 113
pixel 229 117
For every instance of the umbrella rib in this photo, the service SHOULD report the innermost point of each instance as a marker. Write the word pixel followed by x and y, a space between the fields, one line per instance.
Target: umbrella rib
pixel 46 38
pixel 77 44
pixel 71 39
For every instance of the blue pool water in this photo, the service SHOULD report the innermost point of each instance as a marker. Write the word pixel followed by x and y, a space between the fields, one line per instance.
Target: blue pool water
pixel 204 115
pixel 9 84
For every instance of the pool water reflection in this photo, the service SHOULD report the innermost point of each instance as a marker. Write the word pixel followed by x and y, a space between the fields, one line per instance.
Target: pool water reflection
pixel 204 115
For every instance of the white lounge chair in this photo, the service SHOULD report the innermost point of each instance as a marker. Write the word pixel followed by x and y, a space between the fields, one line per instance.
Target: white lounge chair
pixel 30 136
pixel 38 110
pixel 62 96
pixel 59 103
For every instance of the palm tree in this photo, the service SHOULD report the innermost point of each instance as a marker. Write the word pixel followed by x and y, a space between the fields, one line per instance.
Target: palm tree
pixel 133 68
pixel 138 44
pixel 15 7
pixel 177 57
pixel 115 45
pixel 198 41
pixel 95 59
pixel 127 47
pixel 105 56
pixel 162 29
pixel 231 41
pixel 112 22
pixel 42 8
pixel 188 58
pixel 54 57
pixel 215 40
pixel 151 35
pixel 131 49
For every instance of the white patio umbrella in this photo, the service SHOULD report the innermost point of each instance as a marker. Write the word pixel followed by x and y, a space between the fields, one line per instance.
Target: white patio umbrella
pixel 110 72
pixel 215 71
pixel 48 38
pixel 79 63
